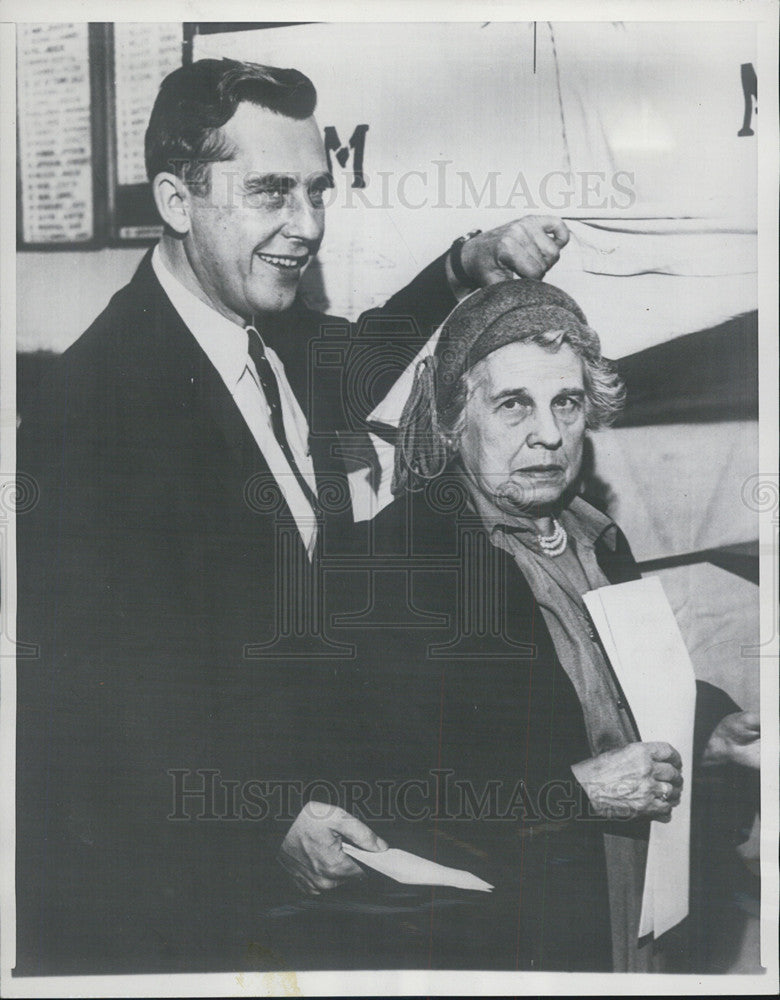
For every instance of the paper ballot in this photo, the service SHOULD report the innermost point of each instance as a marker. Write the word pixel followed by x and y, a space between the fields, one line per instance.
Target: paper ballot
pixel 639 633
pixel 413 870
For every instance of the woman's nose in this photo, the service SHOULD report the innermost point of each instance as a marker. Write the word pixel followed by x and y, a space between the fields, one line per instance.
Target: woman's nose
pixel 544 432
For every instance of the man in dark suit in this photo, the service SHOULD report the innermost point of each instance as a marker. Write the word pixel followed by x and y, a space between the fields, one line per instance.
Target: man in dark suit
pixel 167 572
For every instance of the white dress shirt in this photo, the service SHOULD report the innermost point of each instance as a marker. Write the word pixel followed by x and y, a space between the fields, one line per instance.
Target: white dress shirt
pixel 226 345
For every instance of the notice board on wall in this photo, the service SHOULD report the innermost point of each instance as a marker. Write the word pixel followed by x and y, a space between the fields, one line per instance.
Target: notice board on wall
pixel 60 169
pixel 142 55
pixel 84 95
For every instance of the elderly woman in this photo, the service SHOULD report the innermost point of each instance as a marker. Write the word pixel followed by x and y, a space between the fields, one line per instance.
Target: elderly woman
pixel 515 706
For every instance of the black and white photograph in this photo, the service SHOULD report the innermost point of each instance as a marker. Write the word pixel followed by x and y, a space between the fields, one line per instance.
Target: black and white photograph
pixel 389 509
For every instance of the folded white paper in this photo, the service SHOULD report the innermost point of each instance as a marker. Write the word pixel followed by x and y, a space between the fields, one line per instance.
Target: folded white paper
pixel 640 635
pixel 413 870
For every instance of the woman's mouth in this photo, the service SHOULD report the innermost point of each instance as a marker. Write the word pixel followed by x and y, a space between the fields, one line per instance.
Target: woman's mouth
pixel 541 470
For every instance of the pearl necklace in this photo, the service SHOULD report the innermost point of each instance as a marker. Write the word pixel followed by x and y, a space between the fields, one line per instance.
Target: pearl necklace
pixel 554 544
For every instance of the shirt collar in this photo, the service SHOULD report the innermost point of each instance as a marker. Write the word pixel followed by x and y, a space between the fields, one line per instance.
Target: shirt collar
pixel 224 341
pixel 581 520
pixel 587 524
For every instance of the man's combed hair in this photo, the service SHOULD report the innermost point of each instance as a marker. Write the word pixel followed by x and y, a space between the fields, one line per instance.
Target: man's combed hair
pixel 194 102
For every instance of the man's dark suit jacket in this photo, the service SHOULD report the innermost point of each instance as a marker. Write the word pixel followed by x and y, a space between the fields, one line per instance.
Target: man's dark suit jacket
pixel 158 551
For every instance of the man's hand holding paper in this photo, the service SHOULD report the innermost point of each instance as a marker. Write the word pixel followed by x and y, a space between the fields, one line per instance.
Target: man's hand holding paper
pixel 314 854
pixel 311 852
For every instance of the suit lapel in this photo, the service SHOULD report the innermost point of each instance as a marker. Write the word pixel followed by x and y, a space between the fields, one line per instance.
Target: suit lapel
pixel 193 381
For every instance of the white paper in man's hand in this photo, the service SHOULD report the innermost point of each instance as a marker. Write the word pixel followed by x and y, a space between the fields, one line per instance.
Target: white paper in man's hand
pixel 640 635
pixel 413 870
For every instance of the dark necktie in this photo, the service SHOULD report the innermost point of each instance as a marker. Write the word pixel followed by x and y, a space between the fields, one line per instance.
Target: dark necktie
pixel 271 389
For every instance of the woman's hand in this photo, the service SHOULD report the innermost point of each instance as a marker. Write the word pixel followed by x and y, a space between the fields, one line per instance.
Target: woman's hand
pixel 641 779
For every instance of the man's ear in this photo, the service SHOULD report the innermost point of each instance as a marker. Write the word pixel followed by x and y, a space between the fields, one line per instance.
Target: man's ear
pixel 172 198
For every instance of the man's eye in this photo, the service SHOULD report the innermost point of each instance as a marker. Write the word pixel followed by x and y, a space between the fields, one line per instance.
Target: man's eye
pixel 317 196
pixel 317 191
pixel 270 195
pixel 274 195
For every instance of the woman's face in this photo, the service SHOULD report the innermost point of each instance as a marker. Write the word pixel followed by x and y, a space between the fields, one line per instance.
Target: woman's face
pixel 524 426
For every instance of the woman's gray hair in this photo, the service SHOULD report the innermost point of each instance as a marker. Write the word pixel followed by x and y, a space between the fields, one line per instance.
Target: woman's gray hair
pixel 432 418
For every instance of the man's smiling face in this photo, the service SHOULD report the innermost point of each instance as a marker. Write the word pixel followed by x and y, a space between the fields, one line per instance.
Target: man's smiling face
pixel 263 218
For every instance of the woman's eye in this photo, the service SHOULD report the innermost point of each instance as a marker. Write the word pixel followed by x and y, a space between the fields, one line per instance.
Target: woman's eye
pixel 514 406
pixel 568 404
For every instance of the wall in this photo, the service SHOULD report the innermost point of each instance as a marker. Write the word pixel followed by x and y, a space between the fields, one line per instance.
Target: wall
pixel 58 294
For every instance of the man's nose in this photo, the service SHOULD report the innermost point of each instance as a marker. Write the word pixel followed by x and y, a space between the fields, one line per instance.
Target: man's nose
pixel 545 432
pixel 304 221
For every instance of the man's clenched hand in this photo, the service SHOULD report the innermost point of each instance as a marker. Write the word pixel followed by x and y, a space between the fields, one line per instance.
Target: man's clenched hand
pixel 526 247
